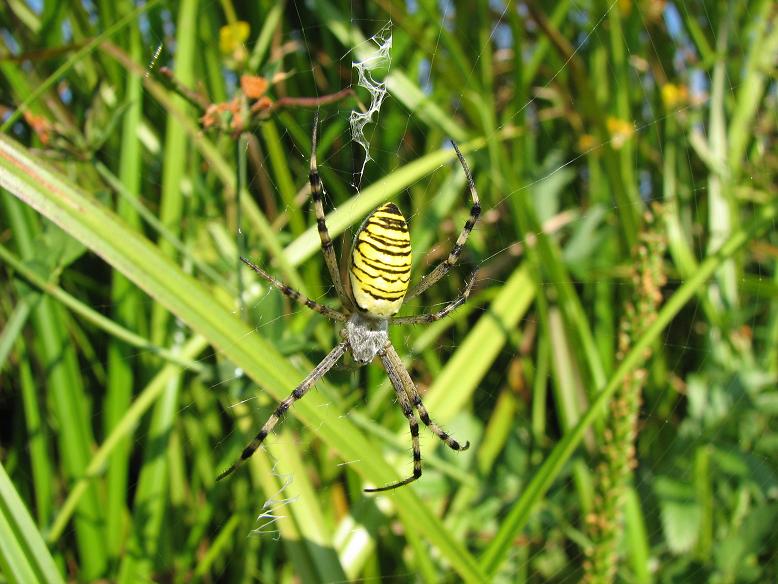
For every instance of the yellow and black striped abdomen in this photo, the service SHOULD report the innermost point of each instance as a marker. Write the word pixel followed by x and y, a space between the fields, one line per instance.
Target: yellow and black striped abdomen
pixel 381 262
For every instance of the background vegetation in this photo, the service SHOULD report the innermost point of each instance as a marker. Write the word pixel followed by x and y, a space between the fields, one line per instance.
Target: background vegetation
pixel 615 373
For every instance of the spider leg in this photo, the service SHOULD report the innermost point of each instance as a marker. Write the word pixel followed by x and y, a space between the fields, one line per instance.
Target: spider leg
pixel 448 309
pixel 294 294
pixel 443 267
pixel 405 403
pixel 415 399
pixel 318 372
pixel 326 241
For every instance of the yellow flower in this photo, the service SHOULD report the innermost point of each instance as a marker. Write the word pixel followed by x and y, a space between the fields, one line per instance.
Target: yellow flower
pixel 232 36
pixel 620 131
pixel 674 95
pixel 585 143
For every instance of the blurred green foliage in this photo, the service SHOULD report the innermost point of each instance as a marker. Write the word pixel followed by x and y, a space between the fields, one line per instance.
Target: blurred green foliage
pixel 146 147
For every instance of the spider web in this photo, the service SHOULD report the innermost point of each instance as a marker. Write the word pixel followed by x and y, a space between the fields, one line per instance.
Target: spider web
pixel 380 59
pixel 665 519
pixel 371 68
pixel 699 418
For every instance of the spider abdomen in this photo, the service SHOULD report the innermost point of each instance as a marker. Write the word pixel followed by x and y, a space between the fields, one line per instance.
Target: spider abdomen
pixel 381 262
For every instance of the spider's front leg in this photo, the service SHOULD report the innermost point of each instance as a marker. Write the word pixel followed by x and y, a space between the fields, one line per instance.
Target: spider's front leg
pixel 448 309
pixel 317 192
pixel 294 294
pixel 453 257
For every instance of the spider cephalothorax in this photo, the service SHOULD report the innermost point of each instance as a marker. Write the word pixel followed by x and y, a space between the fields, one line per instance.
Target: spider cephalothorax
pixel 379 274
pixel 366 336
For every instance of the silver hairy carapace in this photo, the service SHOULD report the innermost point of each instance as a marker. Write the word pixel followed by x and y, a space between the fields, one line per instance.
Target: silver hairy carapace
pixel 366 335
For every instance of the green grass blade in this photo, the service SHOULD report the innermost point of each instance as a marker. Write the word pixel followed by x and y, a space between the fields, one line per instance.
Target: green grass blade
pixel 520 513
pixel 75 58
pixel 458 381
pixel 127 251
pixel 92 316
pixel 122 429
pixel 23 554
pixel 65 392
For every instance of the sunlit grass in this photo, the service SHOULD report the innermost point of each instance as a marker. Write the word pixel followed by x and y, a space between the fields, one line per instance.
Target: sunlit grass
pixel 138 356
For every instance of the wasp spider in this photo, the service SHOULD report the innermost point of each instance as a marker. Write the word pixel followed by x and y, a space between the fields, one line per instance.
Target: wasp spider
pixel 379 275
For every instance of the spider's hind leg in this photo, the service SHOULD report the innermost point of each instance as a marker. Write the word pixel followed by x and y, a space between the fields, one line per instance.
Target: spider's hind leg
pixel 447 439
pixel 409 398
pixel 318 372
pixel 413 423
pixel 412 395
